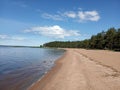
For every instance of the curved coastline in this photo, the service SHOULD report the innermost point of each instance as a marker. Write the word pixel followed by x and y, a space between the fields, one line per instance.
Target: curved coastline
pixel 42 80
pixel 77 69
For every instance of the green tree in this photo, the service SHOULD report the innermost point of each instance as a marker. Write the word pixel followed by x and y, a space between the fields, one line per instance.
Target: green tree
pixel 109 38
pixel 100 42
pixel 116 44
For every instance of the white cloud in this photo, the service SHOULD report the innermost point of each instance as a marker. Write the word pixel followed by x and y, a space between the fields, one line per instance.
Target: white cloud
pixel 6 37
pixel 79 15
pixel 88 16
pixel 53 31
pixel 2 36
pixel 17 38
pixel 54 17
pixel 82 16
pixel 70 14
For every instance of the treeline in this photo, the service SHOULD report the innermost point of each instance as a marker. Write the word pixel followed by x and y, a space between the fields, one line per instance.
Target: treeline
pixel 104 40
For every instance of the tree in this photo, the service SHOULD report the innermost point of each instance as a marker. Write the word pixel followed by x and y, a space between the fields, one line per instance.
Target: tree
pixel 93 42
pixel 109 38
pixel 100 42
pixel 116 43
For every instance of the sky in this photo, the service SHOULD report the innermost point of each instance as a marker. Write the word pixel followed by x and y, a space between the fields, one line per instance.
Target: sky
pixel 35 22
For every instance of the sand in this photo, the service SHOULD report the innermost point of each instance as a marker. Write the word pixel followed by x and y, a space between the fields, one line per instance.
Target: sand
pixel 81 69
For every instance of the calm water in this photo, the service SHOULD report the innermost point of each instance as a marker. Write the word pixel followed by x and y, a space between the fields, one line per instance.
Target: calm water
pixel 20 67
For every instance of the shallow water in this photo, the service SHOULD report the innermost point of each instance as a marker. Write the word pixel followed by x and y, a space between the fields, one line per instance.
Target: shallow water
pixel 20 67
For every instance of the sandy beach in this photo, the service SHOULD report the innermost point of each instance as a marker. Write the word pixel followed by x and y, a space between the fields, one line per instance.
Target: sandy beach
pixel 80 69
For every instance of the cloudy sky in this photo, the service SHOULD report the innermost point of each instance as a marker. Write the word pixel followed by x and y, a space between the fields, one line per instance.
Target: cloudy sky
pixel 34 22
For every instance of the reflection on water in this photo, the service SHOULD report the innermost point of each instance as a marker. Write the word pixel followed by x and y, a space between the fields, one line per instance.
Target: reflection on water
pixel 20 67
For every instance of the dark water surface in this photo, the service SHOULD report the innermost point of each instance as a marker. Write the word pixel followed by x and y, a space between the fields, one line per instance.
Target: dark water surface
pixel 20 67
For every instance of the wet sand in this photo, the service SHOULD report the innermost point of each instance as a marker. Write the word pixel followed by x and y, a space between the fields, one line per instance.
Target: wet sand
pixel 81 69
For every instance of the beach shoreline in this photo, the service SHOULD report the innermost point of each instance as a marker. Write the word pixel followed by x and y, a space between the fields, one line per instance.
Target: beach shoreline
pixel 69 71
pixel 49 73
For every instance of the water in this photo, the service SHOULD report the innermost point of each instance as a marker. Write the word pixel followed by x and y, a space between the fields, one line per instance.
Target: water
pixel 20 67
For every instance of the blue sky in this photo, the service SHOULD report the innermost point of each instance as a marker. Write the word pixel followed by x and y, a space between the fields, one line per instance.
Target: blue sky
pixel 34 22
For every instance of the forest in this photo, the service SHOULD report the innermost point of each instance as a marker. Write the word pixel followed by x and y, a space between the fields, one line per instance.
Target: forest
pixel 109 40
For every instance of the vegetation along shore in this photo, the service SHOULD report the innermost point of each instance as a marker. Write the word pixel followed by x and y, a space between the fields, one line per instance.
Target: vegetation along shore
pixel 104 40
pixel 85 69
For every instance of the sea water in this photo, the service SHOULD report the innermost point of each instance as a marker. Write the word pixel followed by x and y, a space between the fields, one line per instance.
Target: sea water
pixel 21 67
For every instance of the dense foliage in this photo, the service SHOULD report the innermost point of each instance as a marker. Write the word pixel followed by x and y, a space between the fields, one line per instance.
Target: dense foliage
pixel 104 40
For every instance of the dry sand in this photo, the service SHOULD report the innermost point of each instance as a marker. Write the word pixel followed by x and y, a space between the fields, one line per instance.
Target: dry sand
pixel 81 69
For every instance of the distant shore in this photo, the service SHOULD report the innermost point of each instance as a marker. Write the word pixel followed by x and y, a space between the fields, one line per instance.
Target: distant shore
pixel 80 69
